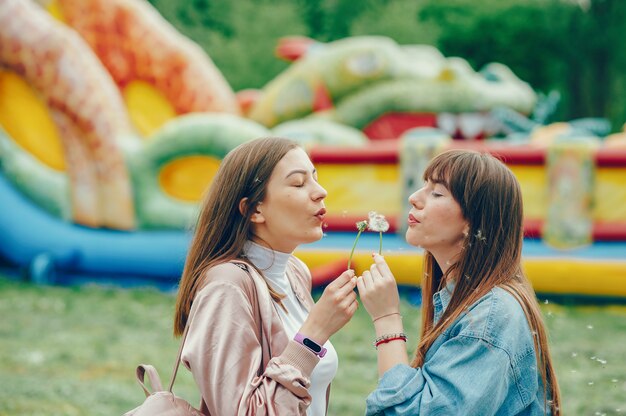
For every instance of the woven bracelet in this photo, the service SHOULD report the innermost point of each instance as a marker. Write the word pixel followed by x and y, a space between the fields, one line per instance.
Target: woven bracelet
pixel 389 340
pixel 386 315
pixel 383 339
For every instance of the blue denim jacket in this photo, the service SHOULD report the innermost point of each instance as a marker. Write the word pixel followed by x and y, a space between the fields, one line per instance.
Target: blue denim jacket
pixel 483 364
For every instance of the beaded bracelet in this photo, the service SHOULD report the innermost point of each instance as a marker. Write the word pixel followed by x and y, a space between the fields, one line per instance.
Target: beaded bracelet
pixel 389 340
pixel 383 339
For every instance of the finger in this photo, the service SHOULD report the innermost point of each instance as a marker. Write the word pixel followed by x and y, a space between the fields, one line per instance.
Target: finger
pixel 347 300
pixel 346 289
pixel 360 284
pixel 382 266
pixel 342 279
pixel 353 307
pixel 367 279
pixel 351 283
pixel 375 272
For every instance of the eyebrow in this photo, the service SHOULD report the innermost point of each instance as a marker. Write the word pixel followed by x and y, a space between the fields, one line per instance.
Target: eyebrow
pixel 302 171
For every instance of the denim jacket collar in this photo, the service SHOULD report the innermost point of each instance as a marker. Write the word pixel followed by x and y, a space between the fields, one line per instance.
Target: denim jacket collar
pixel 441 300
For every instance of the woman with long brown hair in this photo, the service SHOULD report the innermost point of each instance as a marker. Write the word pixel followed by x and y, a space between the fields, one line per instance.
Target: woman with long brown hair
pixel 256 343
pixel 483 348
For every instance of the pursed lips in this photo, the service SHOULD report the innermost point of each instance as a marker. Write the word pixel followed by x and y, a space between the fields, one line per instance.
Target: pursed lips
pixel 412 219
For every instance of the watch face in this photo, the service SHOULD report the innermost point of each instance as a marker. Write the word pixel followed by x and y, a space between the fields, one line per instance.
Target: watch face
pixel 312 345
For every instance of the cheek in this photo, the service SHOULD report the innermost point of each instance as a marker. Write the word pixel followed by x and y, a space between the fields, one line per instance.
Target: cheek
pixel 445 223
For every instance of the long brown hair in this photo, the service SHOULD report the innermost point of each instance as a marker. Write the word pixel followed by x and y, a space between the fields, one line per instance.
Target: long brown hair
pixel 221 229
pixel 491 202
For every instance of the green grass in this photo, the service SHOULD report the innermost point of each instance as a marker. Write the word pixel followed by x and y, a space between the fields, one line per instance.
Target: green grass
pixel 72 351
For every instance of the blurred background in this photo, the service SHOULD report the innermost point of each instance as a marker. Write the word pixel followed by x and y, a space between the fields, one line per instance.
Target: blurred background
pixel 115 115
pixel 573 47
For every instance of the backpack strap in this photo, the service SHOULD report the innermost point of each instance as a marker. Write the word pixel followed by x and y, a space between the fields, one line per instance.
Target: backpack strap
pixel 153 376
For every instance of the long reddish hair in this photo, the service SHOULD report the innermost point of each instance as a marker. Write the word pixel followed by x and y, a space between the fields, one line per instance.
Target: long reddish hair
pixel 222 230
pixel 491 202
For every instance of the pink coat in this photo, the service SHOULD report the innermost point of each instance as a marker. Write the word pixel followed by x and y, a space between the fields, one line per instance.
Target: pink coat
pixel 237 350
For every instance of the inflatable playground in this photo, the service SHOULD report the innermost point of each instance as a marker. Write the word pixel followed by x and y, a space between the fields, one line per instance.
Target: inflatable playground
pixel 112 125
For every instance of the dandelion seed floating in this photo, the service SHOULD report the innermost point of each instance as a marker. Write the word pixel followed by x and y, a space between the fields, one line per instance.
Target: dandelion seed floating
pixel 480 237
pixel 360 226
pixel 378 223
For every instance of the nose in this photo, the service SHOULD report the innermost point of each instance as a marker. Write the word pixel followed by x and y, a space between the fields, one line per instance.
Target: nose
pixel 319 193
pixel 416 200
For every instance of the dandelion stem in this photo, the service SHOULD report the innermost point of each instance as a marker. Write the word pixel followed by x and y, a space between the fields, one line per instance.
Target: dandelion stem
pixel 380 247
pixel 353 247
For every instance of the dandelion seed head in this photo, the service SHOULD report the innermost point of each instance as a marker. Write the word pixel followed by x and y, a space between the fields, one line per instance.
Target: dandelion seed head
pixel 361 225
pixel 377 222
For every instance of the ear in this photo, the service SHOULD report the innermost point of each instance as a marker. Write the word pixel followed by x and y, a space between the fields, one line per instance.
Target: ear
pixel 466 230
pixel 242 206
pixel 257 216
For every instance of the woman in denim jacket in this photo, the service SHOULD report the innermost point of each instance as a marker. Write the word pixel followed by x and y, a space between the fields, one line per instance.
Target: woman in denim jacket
pixel 483 347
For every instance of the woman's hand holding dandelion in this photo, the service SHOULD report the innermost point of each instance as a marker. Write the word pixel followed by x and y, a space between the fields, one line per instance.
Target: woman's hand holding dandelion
pixel 378 291
pixel 333 309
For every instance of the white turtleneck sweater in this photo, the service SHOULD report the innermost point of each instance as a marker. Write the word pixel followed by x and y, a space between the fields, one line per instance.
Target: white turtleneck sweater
pixel 273 264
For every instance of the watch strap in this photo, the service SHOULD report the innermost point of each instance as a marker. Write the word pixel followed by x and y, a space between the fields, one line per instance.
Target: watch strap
pixel 316 348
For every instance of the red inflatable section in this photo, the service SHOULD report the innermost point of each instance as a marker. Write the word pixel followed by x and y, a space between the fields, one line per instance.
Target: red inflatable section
pixel 392 125
pixel 376 152
pixel 326 273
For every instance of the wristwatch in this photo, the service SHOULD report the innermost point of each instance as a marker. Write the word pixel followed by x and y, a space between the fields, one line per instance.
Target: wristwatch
pixel 310 344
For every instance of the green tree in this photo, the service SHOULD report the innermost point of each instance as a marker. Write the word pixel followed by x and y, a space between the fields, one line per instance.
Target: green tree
pixel 240 37
pixel 398 20
pixel 552 44
pixel 329 20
